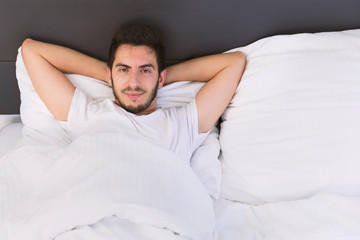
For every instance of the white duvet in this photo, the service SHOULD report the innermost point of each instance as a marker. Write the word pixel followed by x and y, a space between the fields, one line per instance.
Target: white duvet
pixel 49 191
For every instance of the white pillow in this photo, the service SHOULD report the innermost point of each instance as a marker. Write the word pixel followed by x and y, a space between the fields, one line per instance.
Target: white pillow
pixel 40 123
pixel 293 128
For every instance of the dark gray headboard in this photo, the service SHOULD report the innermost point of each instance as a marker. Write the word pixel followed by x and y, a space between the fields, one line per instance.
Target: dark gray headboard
pixel 191 27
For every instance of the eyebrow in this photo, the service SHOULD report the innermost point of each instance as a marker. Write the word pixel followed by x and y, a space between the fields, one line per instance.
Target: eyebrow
pixel 142 66
pixel 122 65
pixel 147 65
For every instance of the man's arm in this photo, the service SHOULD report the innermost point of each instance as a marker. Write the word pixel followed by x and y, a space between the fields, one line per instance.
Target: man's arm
pixel 47 64
pixel 222 72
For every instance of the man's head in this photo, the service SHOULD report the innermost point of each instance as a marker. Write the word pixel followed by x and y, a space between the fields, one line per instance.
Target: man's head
pixel 137 67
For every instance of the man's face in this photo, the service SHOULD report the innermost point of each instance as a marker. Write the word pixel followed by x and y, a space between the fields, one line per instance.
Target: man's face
pixel 135 78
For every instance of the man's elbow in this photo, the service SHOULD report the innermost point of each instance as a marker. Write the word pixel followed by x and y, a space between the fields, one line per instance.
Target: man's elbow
pixel 26 43
pixel 240 58
pixel 26 46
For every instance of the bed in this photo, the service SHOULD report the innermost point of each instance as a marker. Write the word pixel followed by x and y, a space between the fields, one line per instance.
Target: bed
pixel 282 162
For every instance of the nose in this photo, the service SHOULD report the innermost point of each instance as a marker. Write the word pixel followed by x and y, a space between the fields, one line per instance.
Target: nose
pixel 133 80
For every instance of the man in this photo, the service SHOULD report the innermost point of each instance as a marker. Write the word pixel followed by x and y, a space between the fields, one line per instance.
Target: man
pixel 135 70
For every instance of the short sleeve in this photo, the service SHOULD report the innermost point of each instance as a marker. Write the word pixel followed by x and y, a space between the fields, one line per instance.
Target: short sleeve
pixel 78 112
pixel 198 138
pixel 78 108
pixel 184 121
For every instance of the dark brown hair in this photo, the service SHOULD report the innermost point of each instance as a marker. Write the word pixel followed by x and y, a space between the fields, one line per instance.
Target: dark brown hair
pixel 138 35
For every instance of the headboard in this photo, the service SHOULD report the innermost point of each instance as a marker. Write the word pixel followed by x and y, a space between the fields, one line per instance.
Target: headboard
pixel 191 28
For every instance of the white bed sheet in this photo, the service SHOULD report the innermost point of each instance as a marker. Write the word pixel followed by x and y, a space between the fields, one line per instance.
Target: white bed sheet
pixel 323 217
pixel 6 119
pixel 114 228
pixel 10 132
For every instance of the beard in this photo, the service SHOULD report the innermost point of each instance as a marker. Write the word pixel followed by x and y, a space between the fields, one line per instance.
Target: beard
pixel 141 107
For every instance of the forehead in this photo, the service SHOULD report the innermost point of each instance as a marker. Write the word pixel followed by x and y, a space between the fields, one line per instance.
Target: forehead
pixel 131 54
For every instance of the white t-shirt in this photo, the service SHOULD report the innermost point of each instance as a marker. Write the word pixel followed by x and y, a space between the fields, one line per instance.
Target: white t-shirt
pixel 174 128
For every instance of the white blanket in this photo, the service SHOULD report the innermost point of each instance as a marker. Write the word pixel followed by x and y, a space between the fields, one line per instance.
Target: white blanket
pixel 95 177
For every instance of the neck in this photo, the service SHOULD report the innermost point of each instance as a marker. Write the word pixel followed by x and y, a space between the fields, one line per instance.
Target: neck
pixel 150 109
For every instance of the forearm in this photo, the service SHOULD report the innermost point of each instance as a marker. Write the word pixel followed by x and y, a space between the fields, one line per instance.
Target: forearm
pixel 68 60
pixel 200 69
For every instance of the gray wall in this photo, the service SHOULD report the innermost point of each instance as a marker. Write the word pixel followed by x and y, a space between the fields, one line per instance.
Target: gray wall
pixel 191 27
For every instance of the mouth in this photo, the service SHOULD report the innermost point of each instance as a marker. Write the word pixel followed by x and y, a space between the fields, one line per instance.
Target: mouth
pixel 133 95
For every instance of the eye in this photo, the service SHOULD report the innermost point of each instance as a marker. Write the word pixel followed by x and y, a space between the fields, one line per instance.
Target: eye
pixel 123 70
pixel 146 71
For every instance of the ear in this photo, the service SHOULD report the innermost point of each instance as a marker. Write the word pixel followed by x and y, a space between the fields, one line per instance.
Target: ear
pixel 162 78
pixel 109 76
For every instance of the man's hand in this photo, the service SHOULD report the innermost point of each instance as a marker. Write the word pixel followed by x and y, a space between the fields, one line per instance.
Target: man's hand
pixel 47 64
pixel 222 72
